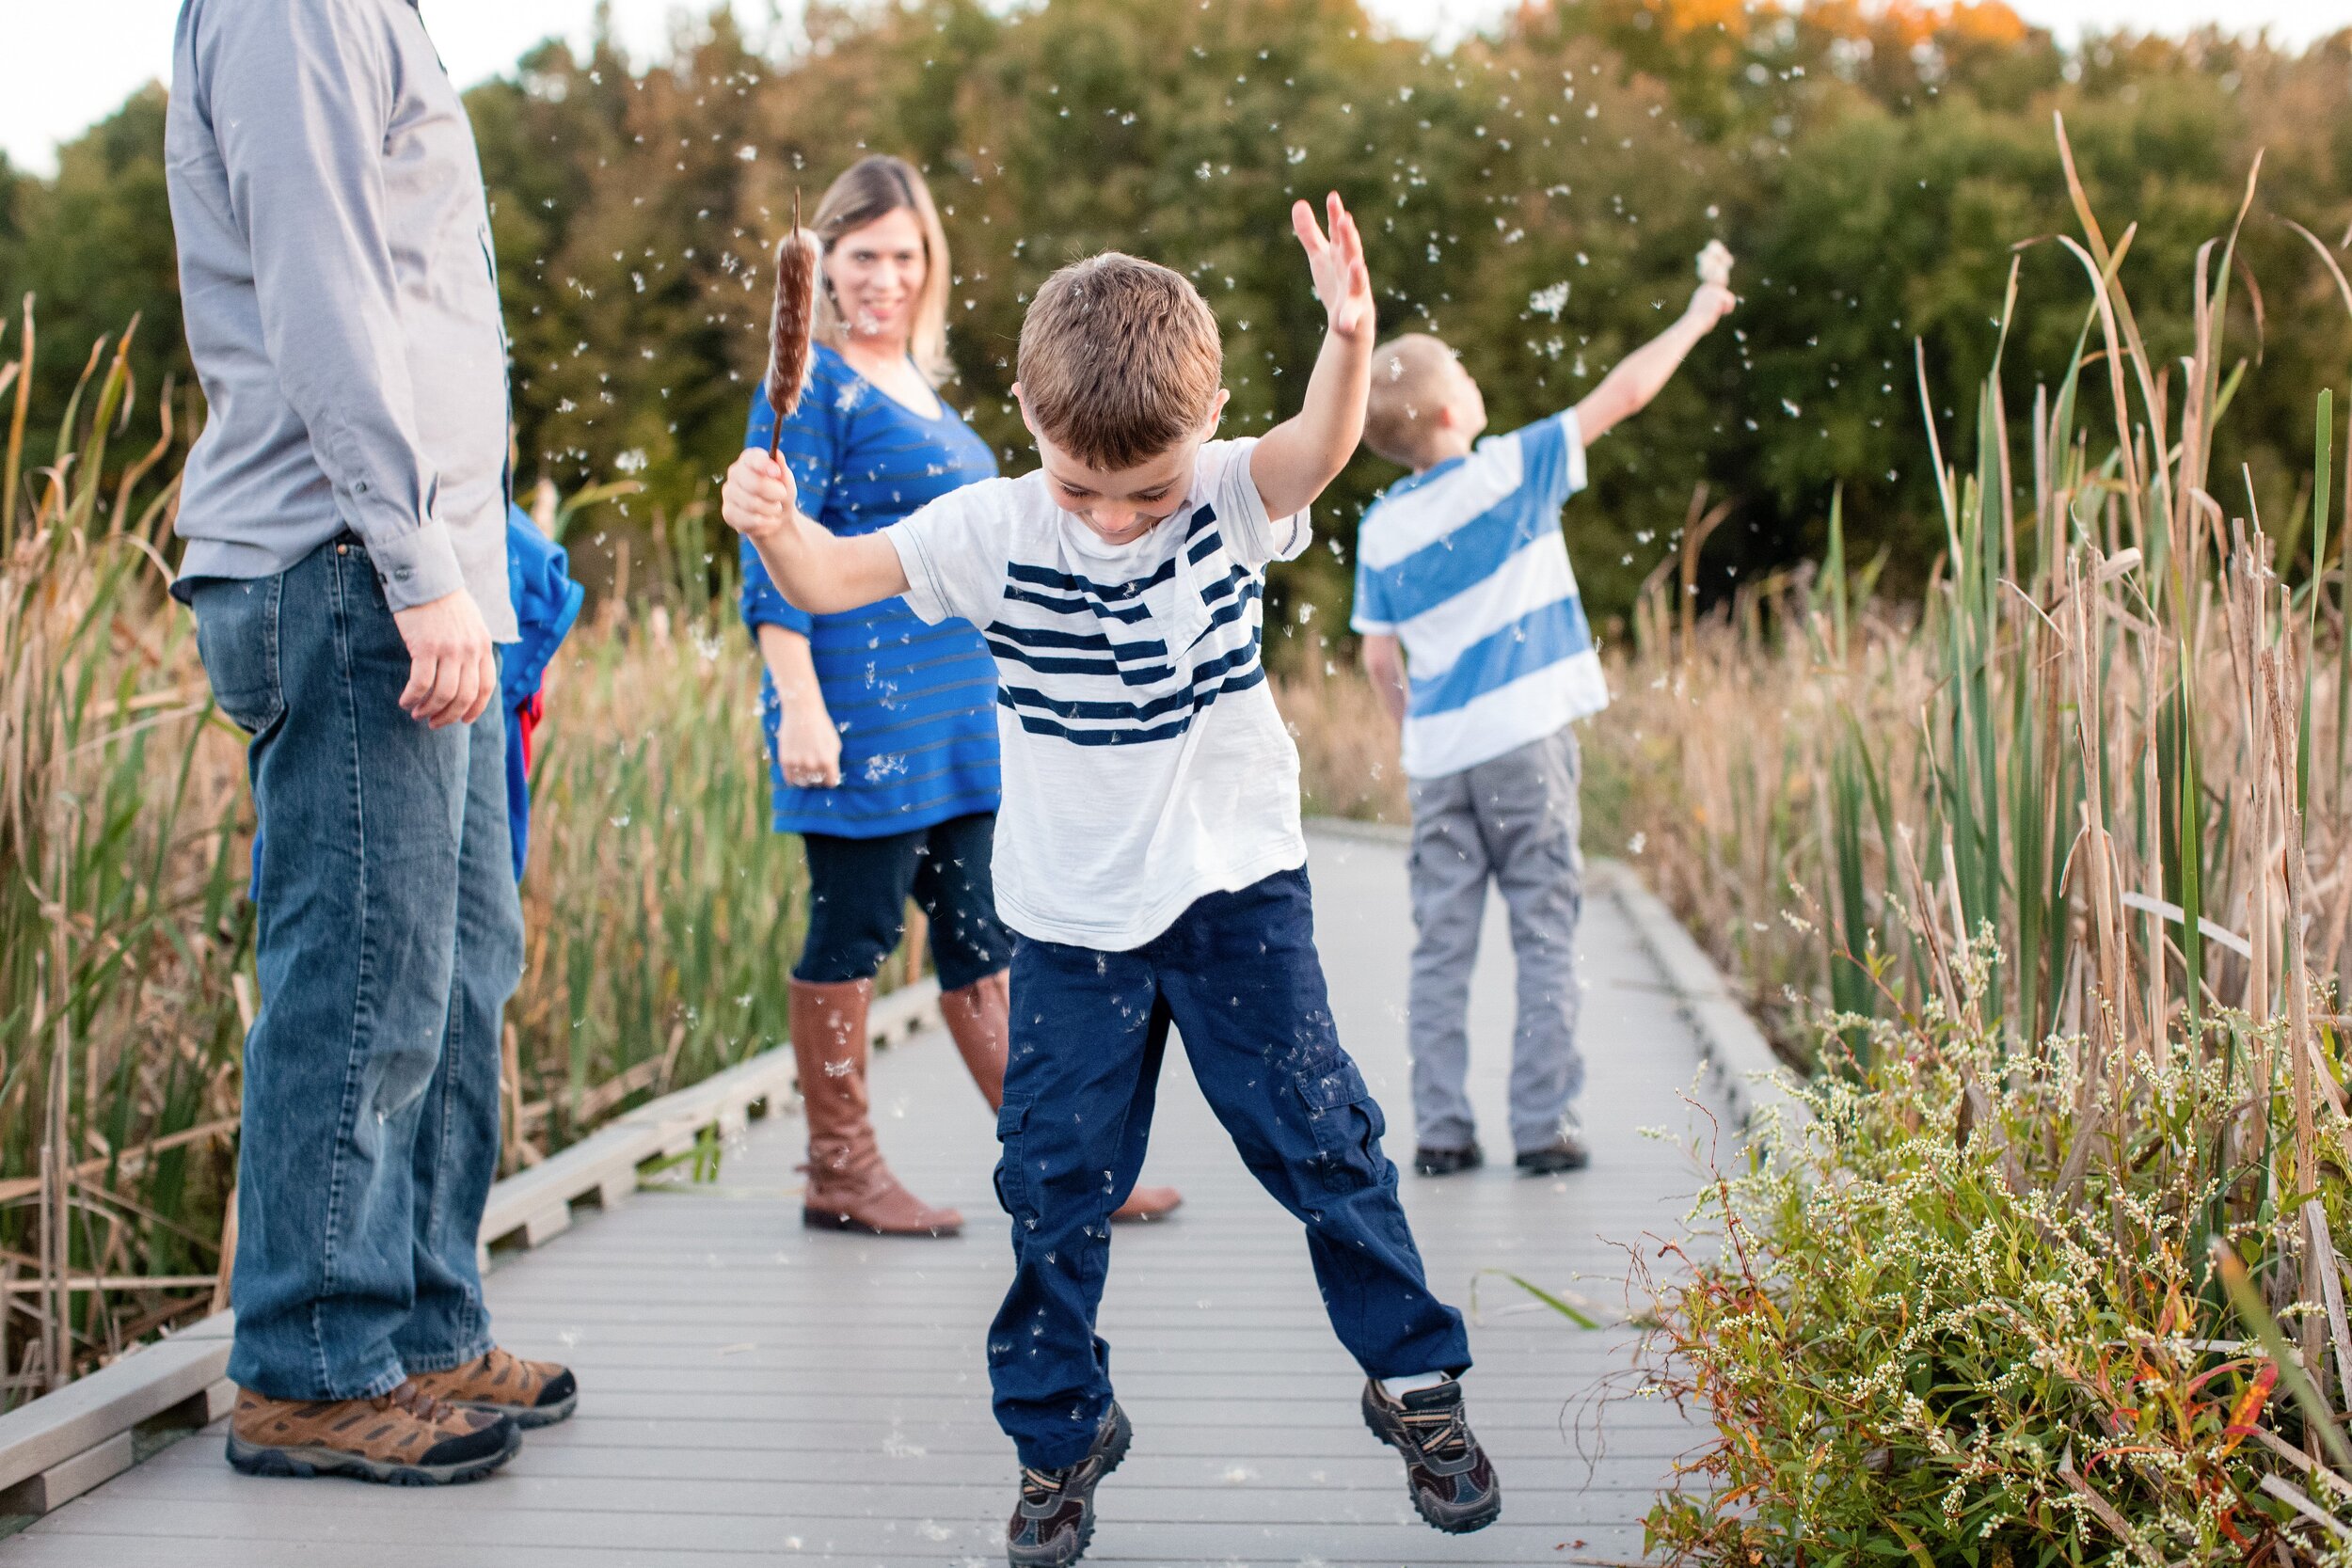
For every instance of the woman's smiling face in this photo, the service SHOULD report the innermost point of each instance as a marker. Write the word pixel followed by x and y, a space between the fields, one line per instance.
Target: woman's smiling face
pixel 876 274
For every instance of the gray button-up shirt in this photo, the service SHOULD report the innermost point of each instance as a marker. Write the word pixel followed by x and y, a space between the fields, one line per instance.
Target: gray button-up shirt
pixel 341 298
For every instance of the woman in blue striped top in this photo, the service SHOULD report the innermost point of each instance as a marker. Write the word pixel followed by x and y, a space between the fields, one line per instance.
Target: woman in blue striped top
pixel 883 730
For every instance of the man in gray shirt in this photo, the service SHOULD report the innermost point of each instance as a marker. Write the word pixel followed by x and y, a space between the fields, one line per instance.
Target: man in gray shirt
pixel 344 512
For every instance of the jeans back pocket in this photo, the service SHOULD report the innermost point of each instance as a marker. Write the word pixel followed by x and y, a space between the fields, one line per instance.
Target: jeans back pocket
pixel 236 636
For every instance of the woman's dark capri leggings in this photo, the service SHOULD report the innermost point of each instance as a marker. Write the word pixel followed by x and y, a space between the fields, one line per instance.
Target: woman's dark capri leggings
pixel 857 902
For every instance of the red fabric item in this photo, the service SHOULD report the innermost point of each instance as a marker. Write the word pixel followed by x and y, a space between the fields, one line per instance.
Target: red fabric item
pixel 527 720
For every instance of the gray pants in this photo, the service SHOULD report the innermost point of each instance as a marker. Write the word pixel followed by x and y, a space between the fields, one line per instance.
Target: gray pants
pixel 1513 820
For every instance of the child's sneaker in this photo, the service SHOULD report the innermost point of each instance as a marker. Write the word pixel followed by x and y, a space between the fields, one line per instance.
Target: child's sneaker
pixel 1054 1519
pixel 1429 1160
pixel 403 1438
pixel 1568 1151
pixel 1452 1481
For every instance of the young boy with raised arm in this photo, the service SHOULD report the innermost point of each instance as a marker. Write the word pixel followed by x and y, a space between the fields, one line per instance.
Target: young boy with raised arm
pixel 1463 564
pixel 1148 852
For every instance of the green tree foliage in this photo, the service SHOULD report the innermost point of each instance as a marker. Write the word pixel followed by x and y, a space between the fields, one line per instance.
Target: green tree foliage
pixel 93 245
pixel 1536 196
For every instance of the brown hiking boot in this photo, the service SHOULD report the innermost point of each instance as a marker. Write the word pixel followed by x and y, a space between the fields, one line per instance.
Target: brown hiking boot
pixel 403 1438
pixel 532 1393
pixel 980 1018
pixel 850 1188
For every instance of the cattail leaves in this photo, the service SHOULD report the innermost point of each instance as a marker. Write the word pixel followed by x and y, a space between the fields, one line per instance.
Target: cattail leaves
pixel 2088 885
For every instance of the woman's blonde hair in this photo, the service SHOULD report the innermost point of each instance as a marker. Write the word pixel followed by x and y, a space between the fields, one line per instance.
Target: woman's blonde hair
pixel 868 190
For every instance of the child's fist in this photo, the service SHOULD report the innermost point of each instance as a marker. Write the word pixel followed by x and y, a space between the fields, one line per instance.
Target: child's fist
pixel 759 495
pixel 1710 304
pixel 1342 280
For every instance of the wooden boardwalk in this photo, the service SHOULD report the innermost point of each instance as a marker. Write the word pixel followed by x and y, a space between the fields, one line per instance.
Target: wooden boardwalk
pixel 754 1392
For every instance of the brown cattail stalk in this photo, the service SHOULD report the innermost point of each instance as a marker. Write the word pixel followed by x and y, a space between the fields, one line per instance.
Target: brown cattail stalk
pixel 788 327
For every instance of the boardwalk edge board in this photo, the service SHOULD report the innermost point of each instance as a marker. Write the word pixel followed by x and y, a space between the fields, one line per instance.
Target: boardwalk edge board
pixel 1752 1079
pixel 62 1444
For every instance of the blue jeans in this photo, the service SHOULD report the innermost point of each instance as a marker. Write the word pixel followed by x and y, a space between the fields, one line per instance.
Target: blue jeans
pixel 390 940
pixel 1237 973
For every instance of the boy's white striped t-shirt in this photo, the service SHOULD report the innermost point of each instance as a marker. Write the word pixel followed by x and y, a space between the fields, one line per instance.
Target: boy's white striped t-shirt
pixel 1465 565
pixel 1145 766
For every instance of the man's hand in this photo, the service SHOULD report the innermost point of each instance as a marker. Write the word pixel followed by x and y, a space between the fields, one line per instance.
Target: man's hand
pixel 452 665
pixel 1342 281
pixel 1710 304
pixel 759 496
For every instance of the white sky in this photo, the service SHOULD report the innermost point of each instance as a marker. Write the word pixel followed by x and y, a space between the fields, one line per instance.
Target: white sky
pixel 65 63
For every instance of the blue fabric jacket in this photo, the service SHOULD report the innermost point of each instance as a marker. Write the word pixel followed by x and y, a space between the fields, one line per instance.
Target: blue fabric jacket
pixel 546 602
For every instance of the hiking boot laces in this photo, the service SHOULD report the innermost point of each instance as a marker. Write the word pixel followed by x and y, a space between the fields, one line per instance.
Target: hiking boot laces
pixel 415 1401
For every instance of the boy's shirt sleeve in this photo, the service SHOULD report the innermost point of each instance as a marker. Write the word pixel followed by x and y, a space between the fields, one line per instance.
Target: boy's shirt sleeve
pixel 1551 455
pixel 1371 613
pixel 1250 536
pixel 809 444
pixel 953 551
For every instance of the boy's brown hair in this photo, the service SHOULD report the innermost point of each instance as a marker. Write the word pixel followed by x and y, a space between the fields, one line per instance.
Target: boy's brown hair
pixel 1408 386
pixel 1119 361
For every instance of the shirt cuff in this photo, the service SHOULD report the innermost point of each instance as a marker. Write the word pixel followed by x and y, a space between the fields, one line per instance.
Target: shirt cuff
pixel 926 594
pixel 774 609
pixel 418 566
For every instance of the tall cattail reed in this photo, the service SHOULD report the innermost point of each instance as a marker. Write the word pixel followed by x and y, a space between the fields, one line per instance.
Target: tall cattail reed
pixel 121 937
pixel 789 324
pixel 2086 808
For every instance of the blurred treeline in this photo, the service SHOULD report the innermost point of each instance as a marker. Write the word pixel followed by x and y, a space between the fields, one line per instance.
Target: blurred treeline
pixel 1534 196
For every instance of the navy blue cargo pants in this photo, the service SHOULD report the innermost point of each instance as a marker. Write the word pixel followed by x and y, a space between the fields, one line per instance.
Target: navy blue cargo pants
pixel 1237 973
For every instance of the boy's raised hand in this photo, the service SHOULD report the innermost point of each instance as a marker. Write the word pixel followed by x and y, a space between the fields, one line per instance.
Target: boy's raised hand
pixel 1710 304
pixel 1342 280
pixel 759 494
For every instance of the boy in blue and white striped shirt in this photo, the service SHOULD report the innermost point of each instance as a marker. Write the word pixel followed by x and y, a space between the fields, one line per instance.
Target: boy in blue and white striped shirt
pixel 1462 567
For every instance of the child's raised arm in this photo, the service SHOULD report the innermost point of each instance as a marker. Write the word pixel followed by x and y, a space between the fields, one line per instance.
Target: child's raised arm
pixel 818 571
pixel 1641 376
pixel 1295 459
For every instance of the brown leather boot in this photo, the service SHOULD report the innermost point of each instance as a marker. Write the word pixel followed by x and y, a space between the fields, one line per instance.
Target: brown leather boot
pixel 850 1188
pixel 979 1018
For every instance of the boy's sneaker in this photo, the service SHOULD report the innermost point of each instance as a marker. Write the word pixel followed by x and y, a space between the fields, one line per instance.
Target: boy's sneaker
pixel 1452 1481
pixel 1428 1160
pixel 402 1438
pixel 534 1393
pixel 1566 1152
pixel 1054 1521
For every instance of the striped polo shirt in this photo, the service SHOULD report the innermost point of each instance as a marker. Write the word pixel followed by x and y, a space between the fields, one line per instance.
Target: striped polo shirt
pixel 1145 764
pixel 1465 565
pixel 915 704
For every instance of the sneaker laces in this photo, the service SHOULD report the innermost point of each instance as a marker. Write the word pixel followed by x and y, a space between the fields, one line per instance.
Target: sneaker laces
pixel 1039 1485
pixel 1441 1433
